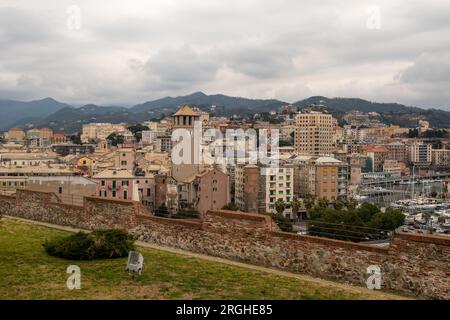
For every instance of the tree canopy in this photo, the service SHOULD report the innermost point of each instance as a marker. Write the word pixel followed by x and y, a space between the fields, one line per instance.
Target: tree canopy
pixel 136 130
pixel 115 139
pixel 362 224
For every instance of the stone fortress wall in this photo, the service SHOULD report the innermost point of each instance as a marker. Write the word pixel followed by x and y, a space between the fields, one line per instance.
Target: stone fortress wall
pixel 413 264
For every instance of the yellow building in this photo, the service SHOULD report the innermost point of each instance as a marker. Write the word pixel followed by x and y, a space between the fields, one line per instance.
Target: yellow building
pixel 16 134
pixel 440 157
pixel 86 161
pixel 314 133
pixel 327 181
pixel 87 164
pixel 327 178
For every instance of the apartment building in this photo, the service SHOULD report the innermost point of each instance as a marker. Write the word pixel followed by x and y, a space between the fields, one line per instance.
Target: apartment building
pixel 323 177
pixel 377 154
pixel 301 174
pixel 146 188
pixel 208 190
pixel 397 151
pixel 247 188
pixel 394 167
pixel 329 183
pixel 357 118
pixel 420 153
pixel 39 138
pixel 125 158
pixel 213 190
pixel 160 128
pixel 313 133
pixel 258 189
pixel 440 157
pixel 278 186
pixel 355 170
pixel 100 131
pixel 65 149
pixel 161 186
pixel 375 134
pixel 286 132
pixel 15 135
pixel 25 159
pixel 116 184
pixel 149 136
pixel 57 138
pixel 353 147
pixel 86 162
pixel 163 144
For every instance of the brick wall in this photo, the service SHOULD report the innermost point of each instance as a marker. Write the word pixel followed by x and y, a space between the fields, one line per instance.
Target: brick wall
pixel 96 213
pixel 413 264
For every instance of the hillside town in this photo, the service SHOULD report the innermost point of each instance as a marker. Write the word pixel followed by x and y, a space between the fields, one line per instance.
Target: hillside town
pixel 319 158
pixel 224 159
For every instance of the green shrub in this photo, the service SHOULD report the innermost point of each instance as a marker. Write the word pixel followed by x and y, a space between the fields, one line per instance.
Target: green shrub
pixel 231 207
pixel 112 243
pixel 389 220
pixel 187 214
pixel 283 223
pixel 101 244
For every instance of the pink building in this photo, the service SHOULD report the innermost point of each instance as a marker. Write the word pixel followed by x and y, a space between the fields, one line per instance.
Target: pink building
pixel 121 184
pixel 213 190
pixel 116 184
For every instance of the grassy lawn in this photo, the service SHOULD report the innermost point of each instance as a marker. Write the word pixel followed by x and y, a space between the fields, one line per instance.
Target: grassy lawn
pixel 27 272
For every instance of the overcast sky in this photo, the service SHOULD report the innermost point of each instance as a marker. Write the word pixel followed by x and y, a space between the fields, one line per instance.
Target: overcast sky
pixel 125 52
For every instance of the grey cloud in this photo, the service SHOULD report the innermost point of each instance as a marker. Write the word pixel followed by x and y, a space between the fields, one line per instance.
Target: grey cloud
pixel 261 61
pixel 19 26
pixel 181 66
pixel 429 68
pixel 245 47
pixel 429 79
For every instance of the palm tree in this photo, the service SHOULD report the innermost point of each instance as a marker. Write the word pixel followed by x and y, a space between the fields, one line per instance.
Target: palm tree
pixel 296 205
pixel 340 203
pixel 351 203
pixel 323 203
pixel 280 206
pixel 309 201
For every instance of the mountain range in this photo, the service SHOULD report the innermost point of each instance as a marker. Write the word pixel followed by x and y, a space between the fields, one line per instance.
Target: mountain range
pixel 12 111
pixel 62 117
